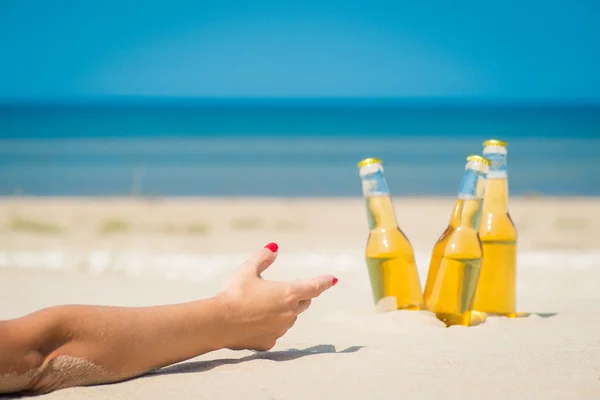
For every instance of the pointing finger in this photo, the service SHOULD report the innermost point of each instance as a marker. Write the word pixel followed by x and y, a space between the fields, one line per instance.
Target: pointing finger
pixel 311 288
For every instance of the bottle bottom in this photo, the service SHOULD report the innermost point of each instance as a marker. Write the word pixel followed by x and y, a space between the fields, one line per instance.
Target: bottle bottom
pixel 390 303
pixel 394 283
pixel 469 318
pixel 506 314
pixel 496 290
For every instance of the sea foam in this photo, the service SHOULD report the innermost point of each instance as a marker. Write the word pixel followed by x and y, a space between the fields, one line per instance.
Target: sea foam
pixel 196 266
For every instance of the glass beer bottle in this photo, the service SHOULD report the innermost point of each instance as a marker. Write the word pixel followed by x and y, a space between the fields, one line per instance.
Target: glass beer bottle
pixel 496 290
pixel 389 255
pixel 438 251
pixel 456 257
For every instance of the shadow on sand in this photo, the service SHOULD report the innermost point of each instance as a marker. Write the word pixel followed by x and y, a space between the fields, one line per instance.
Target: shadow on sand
pixel 542 315
pixel 279 356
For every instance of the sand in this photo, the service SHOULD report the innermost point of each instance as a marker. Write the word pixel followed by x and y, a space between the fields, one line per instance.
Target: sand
pixel 156 251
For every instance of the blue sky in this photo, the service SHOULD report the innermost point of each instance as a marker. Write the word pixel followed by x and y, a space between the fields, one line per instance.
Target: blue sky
pixel 56 49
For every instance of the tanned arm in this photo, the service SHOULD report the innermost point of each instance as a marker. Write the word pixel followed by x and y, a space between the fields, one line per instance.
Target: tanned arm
pixel 81 345
pixel 75 345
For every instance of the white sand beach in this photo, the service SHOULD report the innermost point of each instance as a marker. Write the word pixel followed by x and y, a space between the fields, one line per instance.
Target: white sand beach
pixel 156 251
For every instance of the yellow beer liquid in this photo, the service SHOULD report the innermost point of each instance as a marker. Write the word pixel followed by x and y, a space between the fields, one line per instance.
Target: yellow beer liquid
pixel 438 251
pixel 496 290
pixel 390 260
pixel 455 277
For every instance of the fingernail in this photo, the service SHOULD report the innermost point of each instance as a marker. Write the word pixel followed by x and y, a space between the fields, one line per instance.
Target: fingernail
pixel 273 247
pixel 335 280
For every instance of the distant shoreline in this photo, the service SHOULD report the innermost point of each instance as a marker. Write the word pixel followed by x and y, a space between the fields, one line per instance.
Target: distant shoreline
pixel 399 102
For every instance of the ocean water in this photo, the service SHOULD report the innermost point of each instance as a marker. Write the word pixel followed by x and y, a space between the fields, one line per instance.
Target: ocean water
pixel 288 148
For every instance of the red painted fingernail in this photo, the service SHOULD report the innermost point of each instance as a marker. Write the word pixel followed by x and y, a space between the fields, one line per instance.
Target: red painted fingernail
pixel 335 280
pixel 273 247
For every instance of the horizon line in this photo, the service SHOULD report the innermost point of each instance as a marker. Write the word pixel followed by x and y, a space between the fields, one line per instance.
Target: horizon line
pixel 283 100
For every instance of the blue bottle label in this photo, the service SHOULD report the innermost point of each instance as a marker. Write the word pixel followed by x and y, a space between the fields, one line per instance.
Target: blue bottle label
pixel 498 167
pixel 374 185
pixel 468 185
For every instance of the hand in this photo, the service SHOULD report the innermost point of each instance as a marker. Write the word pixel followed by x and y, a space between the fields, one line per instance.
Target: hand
pixel 259 311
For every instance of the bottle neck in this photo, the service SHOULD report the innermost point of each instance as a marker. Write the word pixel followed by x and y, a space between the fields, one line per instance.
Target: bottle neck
pixel 470 198
pixel 381 214
pixel 496 194
pixel 496 188
pixel 380 209
pixel 472 185
pixel 455 216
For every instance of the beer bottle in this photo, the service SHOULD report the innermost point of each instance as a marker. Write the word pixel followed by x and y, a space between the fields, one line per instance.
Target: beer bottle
pixel 390 259
pixel 456 257
pixel 438 251
pixel 496 290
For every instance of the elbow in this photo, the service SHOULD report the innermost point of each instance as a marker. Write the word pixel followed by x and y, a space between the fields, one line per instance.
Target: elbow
pixel 60 371
pixel 24 346
pixel 19 365
pixel 29 375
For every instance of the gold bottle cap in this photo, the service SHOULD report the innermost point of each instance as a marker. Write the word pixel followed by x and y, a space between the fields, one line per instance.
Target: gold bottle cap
pixel 477 158
pixel 495 142
pixel 369 161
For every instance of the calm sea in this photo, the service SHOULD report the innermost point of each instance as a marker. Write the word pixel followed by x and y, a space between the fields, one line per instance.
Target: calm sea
pixel 288 148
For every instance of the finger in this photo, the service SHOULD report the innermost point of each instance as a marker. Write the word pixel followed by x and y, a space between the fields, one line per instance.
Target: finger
pixel 311 288
pixel 262 259
pixel 302 306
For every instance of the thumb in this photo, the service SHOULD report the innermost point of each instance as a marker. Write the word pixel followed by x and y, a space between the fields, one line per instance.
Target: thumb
pixel 262 259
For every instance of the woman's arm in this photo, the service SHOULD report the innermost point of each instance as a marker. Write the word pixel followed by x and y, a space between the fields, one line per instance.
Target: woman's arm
pixel 75 345
pixel 80 345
